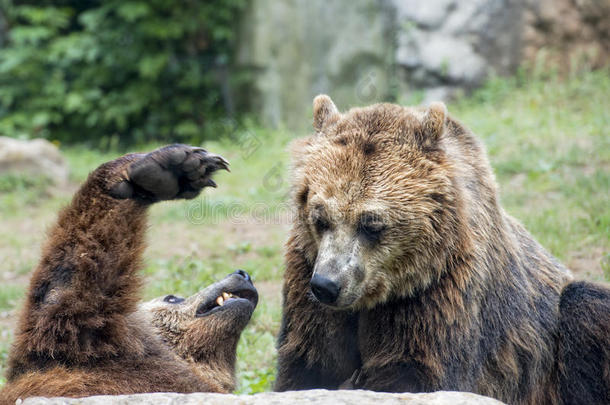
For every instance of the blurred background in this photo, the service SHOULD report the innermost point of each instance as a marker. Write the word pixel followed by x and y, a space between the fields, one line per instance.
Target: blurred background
pixel 82 82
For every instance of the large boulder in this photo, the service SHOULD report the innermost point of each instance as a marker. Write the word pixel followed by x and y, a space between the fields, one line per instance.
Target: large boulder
pixel 447 45
pixel 571 32
pixel 364 51
pixel 36 157
pixel 272 398
pixel 299 48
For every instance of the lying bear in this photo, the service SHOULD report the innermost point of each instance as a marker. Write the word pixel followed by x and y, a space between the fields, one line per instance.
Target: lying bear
pixel 82 331
pixel 404 273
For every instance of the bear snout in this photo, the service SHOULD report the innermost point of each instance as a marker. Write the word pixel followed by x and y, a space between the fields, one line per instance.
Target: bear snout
pixel 324 289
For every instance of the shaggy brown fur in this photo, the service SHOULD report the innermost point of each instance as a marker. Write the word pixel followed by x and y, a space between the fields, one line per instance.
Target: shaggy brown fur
pixel 81 333
pixel 583 356
pixel 428 283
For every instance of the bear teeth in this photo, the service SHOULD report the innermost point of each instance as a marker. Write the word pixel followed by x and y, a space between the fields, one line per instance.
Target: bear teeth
pixel 224 297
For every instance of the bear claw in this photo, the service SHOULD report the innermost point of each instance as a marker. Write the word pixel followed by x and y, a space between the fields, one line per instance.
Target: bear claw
pixel 175 171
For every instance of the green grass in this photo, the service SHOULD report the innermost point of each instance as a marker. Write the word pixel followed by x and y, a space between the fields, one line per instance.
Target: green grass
pixel 18 190
pixel 6 336
pixel 10 295
pixel 256 350
pixel 548 141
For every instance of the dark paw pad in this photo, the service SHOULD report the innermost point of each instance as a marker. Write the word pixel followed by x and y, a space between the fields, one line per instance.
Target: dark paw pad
pixel 175 171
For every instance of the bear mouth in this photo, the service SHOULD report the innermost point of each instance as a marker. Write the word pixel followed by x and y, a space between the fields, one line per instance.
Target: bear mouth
pixel 246 297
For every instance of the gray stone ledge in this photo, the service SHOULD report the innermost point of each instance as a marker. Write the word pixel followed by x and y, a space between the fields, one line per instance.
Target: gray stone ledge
pixel 309 397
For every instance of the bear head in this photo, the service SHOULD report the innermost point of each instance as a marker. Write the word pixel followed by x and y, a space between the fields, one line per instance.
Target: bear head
pixel 205 327
pixel 379 212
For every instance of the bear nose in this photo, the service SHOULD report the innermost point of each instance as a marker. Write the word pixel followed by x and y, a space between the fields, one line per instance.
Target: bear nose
pixel 324 289
pixel 243 274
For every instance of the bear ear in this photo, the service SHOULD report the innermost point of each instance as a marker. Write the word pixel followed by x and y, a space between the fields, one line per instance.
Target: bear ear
pixel 324 111
pixel 434 122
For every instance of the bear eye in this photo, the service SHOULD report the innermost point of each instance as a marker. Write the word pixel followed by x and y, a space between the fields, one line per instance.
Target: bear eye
pixel 321 224
pixel 319 220
pixel 371 227
pixel 172 299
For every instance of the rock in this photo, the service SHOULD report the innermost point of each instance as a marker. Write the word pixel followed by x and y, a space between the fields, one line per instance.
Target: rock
pixel 36 157
pixel 366 51
pixel 440 93
pixel 446 58
pixel 359 397
pixel 428 15
pixel 572 33
pixel 300 48
pixel 457 46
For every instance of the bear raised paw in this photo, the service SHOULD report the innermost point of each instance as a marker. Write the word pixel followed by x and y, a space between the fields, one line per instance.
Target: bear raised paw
pixel 175 171
pixel 82 330
pixel 404 273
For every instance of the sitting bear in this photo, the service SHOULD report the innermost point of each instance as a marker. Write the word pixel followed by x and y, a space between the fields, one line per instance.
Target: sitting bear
pixel 404 273
pixel 82 331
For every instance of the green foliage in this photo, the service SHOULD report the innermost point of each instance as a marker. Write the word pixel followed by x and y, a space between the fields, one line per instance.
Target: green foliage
pixel 115 70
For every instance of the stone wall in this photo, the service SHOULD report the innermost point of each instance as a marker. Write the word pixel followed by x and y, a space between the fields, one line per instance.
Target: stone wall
pixel 363 51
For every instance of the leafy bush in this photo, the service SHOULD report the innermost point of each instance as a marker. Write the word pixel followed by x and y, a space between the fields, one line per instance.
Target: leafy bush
pixel 116 70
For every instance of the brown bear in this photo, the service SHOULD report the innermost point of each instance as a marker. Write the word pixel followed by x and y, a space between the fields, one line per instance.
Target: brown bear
pixel 81 331
pixel 404 273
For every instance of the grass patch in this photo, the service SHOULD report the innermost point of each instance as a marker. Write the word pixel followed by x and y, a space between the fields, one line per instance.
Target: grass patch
pixel 83 160
pixel 15 183
pixel 256 355
pixel 10 296
pixel 6 336
pixel 20 190
pixel 549 144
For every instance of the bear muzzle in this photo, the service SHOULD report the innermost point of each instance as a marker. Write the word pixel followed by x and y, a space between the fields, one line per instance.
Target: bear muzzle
pixel 324 289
